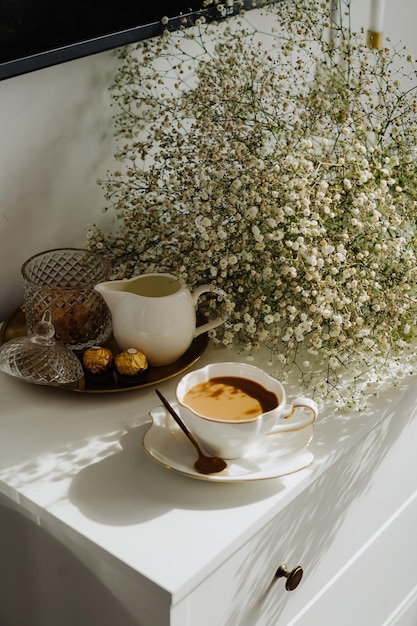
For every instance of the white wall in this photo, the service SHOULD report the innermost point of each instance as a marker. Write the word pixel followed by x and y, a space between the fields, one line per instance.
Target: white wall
pixel 56 140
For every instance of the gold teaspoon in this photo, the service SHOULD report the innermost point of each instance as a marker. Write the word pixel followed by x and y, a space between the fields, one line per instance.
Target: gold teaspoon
pixel 204 464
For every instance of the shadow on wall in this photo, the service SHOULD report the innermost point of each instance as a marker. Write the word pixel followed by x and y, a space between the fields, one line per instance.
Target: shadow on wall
pixel 43 584
pixel 51 155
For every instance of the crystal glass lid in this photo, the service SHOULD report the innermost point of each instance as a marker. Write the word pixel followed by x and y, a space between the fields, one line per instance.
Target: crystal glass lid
pixel 41 359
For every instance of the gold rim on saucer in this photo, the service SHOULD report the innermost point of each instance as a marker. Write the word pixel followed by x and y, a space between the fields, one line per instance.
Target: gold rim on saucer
pixel 287 453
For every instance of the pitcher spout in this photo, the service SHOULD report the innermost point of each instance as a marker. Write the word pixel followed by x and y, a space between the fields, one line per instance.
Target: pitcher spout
pixel 112 291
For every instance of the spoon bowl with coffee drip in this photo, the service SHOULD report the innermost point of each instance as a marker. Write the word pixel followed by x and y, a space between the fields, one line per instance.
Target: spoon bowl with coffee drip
pixel 205 464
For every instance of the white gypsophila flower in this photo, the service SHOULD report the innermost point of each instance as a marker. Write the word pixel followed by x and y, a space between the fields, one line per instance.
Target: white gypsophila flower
pixel 296 196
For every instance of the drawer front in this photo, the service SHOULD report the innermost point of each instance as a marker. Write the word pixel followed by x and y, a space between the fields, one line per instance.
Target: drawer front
pixel 326 530
pixel 376 584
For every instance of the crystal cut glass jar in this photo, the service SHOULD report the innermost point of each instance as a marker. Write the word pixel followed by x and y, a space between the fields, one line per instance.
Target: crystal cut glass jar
pixel 62 281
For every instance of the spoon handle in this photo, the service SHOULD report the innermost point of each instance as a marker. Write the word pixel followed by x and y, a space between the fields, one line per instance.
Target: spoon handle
pixel 174 415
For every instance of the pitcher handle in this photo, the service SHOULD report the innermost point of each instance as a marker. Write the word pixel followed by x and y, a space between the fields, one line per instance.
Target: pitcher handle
pixel 218 320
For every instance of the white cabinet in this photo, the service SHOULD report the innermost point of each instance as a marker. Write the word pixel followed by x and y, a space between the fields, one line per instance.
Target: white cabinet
pixel 352 531
pixel 148 547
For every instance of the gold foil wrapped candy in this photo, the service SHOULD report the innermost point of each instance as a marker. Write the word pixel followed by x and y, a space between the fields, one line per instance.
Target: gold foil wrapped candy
pixel 130 364
pixel 98 363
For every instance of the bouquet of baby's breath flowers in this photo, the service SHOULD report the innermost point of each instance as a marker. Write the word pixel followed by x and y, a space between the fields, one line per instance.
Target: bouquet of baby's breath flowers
pixel 280 164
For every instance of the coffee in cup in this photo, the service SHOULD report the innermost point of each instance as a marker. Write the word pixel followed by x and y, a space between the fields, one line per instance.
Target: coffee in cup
pixel 230 398
pixel 229 407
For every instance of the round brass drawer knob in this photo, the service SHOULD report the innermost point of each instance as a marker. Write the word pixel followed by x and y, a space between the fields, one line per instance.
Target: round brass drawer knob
pixel 293 577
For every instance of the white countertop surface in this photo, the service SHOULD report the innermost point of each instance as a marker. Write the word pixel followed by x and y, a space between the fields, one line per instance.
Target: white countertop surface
pixel 74 463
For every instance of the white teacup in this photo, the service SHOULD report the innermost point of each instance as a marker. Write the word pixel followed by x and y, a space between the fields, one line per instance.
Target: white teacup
pixel 232 438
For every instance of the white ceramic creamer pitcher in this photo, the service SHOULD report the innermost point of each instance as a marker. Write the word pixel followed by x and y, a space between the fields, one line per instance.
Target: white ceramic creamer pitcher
pixel 156 313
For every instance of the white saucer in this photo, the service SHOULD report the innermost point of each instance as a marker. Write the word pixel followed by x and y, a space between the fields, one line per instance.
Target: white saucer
pixel 279 454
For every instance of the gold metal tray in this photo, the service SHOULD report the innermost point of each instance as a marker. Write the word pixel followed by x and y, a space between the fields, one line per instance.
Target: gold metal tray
pixel 15 326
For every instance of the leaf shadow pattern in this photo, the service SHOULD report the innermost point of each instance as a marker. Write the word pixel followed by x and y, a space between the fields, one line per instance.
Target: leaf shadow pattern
pixel 304 531
pixel 120 489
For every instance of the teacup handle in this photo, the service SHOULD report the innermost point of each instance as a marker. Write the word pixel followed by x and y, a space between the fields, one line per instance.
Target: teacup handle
pixel 218 320
pixel 286 425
